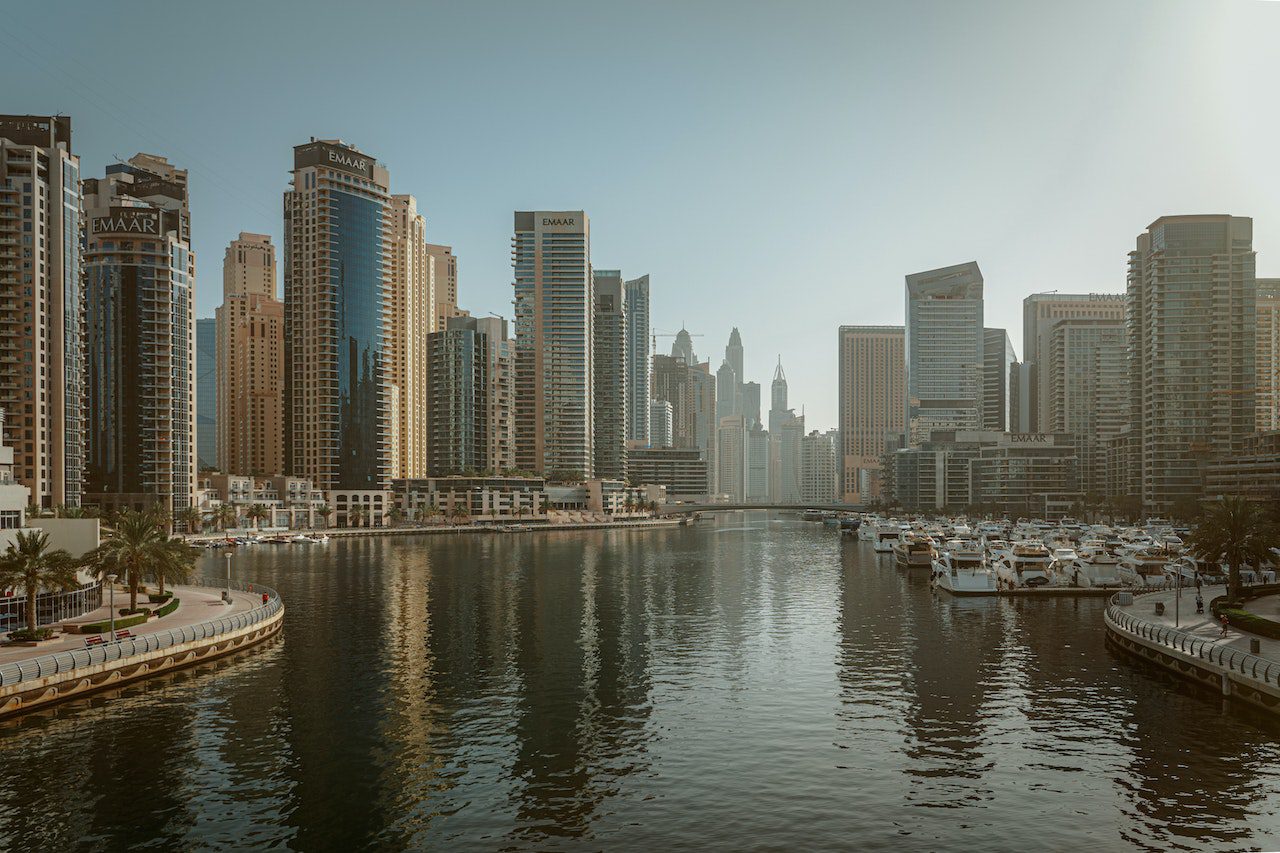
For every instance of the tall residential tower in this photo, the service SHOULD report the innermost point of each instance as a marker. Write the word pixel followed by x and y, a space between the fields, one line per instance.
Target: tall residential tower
pixel 945 351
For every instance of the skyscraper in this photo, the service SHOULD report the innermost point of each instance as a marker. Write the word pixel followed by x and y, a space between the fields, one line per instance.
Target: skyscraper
pixel 731 453
pixel 778 414
pixel 1088 391
pixel 751 402
pixel 682 347
pixel 757 463
pixel 411 317
pixel 1040 311
pixel 206 394
pixel 945 353
pixel 468 397
pixel 790 459
pixel 444 272
pixel 1022 398
pixel 998 358
pixel 336 277
pixel 660 423
pixel 733 353
pixel 1191 312
pixel 140 294
pixel 551 256
pixel 726 390
pixel 42 319
pixel 636 306
pixel 818 467
pixel 250 359
pixel 1268 359
pixel 609 362
pixel 872 382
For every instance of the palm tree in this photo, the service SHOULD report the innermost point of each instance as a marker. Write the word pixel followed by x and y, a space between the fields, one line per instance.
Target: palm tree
pixel 174 562
pixel 130 552
pixel 460 512
pixel 630 503
pixel 29 563
pixel 256 513
pixel 1237 532
pixel 355 517
pixel 324 511
pixel 225 515
pixel 396 515
pixel 192 517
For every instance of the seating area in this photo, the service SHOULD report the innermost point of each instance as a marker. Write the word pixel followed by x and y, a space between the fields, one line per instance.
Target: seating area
pixel 100 639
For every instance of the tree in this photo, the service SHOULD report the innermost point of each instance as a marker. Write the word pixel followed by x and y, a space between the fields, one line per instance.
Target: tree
pixel 192 517
pixel 174 562
pixel 256 513
pixel 1186 508
pixel 29 564
pixel 461 513
pixel 130 551
pixel 355 517
pixel 324 511
pixel 1128 507
pixel 629 504
pixel 225 515
pixel 396 515
pixel 1237 532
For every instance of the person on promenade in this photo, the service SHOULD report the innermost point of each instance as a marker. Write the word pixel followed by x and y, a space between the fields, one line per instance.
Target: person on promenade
pixel 1225 626
pixel 1199 603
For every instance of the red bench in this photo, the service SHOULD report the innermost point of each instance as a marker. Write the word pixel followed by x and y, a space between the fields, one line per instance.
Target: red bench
pixel 90 642
pixel 123 635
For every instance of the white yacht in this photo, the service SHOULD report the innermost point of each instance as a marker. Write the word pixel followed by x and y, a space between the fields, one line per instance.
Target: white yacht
pixel 1062 567
pixel 1097 565
pixel 960 569
pixel 1024 564
pixel 887 535
pixel 913 550
pixel 1143 566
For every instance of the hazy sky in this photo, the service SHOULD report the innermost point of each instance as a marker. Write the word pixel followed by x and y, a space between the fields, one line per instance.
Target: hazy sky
pixel 779 167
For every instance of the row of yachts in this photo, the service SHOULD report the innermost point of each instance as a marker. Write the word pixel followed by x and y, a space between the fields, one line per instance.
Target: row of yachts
pixel 990 557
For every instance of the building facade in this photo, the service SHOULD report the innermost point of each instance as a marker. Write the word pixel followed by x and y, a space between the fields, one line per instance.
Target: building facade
pixel 1040 311
pixel 1088 391
pixel 469 398
pixel 411 317
pixel 444 276
pixel 42 307
pixel 610 396
pixel 207 394
pixel 338 424
pixel 1191 322
pixel 140 277
pixel 731 458
pixel 819 467
pixel 945 351
pixel 682 470
pixel 554 391
pixel 757 463
pixel 998 358
pixel 1252 473
pixel 636 308
pixel 872 385
pixel 1268 357
pixel 660 423
pixel 1023 397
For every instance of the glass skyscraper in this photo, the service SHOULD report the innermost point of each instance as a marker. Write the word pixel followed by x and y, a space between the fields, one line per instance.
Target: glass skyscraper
pixel 945 351
pixel 207 394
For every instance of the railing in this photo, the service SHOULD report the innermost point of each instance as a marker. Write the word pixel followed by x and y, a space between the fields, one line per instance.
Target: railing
pixel 60 662
pixel 51 606
pixel 1213 651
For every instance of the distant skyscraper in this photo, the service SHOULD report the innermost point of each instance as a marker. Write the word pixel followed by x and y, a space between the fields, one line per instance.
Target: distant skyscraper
pixel 444 272
pixel 42 385
pixel 1191 315
pixel 609 362
pixel 778 396
pixel 1268 359
pixel 872 381
pixel 751 402
pixel 1088 391
pixel 733 353
pixel 998 357
pixel 140 291
pixel 731 450
pixel 250 360
pixel 703 387
pixel 757 463
pixel 411 316
pixel 636 306
pixel 726 390
pixel 945 353
pixel 1040 311
pixel 551 254
pixel 660 423
pixel 682 347
pixel 206 394
pixel 790 459
pixel 338 424
pixel 1022 398
pixel 778 414
pixel 818 453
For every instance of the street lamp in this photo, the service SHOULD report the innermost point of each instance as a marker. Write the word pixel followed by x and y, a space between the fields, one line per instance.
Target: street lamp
pixel 228 574
pixel 111 580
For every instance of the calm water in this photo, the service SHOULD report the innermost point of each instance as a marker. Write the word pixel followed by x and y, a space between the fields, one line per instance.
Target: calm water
pixel 727 687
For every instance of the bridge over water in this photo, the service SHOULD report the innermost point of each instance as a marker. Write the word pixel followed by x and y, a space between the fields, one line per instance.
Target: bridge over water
pixel 687 509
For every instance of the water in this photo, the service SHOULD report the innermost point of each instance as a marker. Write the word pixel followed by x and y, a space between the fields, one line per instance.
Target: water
pixel 756 685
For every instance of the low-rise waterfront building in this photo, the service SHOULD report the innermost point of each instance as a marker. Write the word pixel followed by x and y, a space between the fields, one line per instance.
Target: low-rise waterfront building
pixel 681 470
pixel 483 498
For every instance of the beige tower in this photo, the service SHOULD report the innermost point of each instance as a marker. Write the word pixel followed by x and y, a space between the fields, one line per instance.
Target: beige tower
pixel 250 358
pixel 1268 364
pixel 446 284
pixel 872 385
pixel 411 317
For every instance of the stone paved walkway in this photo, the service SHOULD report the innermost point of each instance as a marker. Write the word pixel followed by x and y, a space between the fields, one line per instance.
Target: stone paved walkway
pixel 1204 626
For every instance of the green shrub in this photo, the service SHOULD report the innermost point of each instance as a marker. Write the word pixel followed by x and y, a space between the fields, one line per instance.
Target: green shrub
pixel 159 599
pixel 168 608
pixel 25 635
pixel 124 611
pixel 103 627
pixel 1252 622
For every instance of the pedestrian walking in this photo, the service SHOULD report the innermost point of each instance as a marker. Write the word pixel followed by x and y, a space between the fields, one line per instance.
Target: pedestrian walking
pixel 1225 625
pixel 1199 603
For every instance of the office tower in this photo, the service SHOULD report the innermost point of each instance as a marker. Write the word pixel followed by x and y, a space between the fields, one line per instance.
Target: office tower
pixel 250 359
pixel 726 391
pixel 336 276
pixel 671 384
pixel 551 255
pixel 443 268
pixel 1040 311
pixel 731 458
pixel 1023 398
pixel 818 467
pixel 468 398
pixel 751 402
pixel 1191 319
pixel 1088 391
pixel 872 381
pixel 609 363
pixel 757 463
pixel 140 278
pixel 790 460
pixel 207 394
pixel 682 347
pixel 778 414
pixel 1268 358
pixel 42 308
pixel 945 352
pixel 636 307
pixel 703 390
pixel 660 423
pixel 411 317
pixel 998 357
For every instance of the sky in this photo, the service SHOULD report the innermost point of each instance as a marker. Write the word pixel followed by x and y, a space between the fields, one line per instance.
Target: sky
pixel 779 167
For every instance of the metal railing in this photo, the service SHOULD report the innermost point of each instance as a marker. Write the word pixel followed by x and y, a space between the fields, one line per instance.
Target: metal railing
pixel 1213 651
pixel 51 606
pixel 60 662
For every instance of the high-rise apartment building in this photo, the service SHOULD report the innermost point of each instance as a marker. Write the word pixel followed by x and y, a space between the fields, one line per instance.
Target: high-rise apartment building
pixel 1191 317
pixel 682 347
pixel 790 465
pixel 444 273
pixel 1023 417
pixel 751 402
pixel 469 398
pixel 778 415
pixel 731 458
pixel 872 383
pixel 727 394
pixel 1040 311
pixel 338 425
pixel 207 394
pixel 998 358
pixel 554 393
pixel 661 419
pixel 819 452
pixel 250 359
pixel 411 317
pixel 140 278
pixel 42 322
pixel 636 306
pixel 1268 358
pixel 1088 391
pixel 757 462
pixel 945 351
pixel 609 363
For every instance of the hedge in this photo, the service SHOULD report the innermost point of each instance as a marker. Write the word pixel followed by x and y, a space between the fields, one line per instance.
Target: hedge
pixel 168 608
pixel 159 599
pixel 103 627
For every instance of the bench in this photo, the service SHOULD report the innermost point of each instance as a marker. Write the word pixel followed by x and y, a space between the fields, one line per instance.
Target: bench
pixel 123 635
pixel 1159 608
pixel 91 642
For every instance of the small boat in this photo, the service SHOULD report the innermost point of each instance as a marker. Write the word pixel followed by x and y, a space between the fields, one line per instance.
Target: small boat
pixel 913 550
pixel 1024 565
pixel 960 569
pixel 887 535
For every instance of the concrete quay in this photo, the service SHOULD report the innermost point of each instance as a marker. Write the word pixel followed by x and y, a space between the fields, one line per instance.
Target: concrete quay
pixel 1192 646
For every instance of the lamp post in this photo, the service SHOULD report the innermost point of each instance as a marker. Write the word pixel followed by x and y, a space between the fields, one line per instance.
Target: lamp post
pixel 111 581
pixel 228 573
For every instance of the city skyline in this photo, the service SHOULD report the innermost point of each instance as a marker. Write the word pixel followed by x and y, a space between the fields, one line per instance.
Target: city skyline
pixel 851 171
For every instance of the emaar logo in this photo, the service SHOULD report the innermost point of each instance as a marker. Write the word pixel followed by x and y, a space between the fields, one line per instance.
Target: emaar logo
pixel 559 222
pixel 348 160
